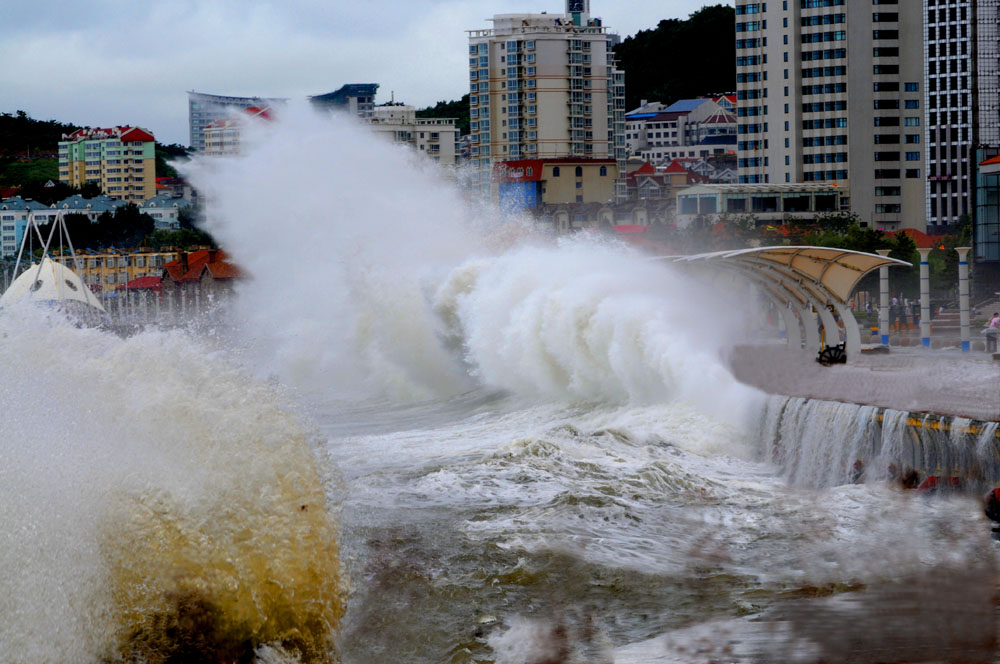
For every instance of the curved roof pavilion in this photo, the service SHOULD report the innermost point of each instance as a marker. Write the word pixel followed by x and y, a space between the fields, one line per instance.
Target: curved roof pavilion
pixel 798 279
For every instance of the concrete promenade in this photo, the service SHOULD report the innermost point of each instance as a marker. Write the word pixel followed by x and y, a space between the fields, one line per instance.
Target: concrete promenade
pixel 915 379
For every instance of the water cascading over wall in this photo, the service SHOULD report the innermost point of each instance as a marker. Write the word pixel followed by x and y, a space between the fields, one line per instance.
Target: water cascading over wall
pixel 820 444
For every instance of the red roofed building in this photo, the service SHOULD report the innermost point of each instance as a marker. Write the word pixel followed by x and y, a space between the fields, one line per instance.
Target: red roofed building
pixel 921 239
pixel 649 183
pixel 223 137
pixel 199 274
pixel 121 160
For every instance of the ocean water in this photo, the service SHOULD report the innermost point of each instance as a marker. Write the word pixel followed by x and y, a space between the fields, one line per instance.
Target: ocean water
pixel 422 434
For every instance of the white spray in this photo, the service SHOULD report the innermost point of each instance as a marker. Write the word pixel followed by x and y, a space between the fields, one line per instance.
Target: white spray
pixel 372 274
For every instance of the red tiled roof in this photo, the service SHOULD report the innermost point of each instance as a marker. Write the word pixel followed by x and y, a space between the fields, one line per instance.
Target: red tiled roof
pixel 143 283
pixel 629 229
pixel 214 260
pixel 676 166
pixel 921 239
pixel 8 192
pixel 125 133
pixel 136 134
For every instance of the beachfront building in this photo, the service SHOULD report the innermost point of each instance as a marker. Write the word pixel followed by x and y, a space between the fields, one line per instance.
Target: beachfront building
pixel 831 92
pixel 544 86
pixel 121 160
pixel 434 137
pixel 765 203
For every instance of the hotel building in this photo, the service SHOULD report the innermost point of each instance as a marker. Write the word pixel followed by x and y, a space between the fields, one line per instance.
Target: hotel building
pixel 122 160
pixel 545 86
pixel 832 91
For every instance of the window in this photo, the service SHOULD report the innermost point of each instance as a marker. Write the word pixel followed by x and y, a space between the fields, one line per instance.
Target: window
pixel 911 122
pixel 555 171
pixel 604 171
pixel 912 156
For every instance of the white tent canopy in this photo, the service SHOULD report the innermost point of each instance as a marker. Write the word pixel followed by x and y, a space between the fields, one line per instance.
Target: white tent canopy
pixel 801 278
pixel 49 282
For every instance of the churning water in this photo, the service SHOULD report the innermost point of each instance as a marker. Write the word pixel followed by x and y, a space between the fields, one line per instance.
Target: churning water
pixel 424 435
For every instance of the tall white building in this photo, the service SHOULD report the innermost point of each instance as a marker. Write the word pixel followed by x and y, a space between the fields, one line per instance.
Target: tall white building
pixel 545 86
pixel 831 91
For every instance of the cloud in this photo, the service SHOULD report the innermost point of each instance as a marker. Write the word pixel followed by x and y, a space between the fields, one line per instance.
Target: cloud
pixel 109 62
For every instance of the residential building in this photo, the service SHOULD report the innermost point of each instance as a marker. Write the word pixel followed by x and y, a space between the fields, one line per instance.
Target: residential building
pixel 223 137
pixel 649 183
pixel 106 271
pixel 544 86
pixel 687 128
pixel 766 203
pixel 196 276
pixel 165 211
pixel 355 98
pixel 830 91
pixel 204 109
pixel 14 216
pixel 122 160
pixel 435 137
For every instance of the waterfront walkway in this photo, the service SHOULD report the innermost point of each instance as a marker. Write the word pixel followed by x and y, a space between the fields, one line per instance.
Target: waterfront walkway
pixel 947 382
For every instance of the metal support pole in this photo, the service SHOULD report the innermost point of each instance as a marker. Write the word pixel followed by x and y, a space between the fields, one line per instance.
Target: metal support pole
pixel 963 294
pixel 925 299
pixel 883 299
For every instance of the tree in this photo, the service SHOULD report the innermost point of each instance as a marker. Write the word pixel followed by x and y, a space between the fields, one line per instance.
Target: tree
pixel 167 153
pixel 450 109
pixel 659 66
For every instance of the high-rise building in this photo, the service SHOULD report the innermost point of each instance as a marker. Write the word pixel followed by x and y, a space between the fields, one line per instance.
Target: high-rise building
pixel 951 119
pixel 831 91
pixel 545 86
pixel 122 160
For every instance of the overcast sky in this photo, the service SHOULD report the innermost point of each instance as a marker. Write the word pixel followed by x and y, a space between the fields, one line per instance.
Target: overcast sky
pixel 109 62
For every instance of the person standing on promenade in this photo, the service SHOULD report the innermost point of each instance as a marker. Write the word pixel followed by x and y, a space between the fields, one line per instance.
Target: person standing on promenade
pixel 992 333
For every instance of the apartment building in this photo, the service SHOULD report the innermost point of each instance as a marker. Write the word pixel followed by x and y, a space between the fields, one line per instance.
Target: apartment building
pixel 831 91
pixel 105 271
pixel 545 86
pixel 223 137
pixel 659 134
pixel 434 137
pixel 122 160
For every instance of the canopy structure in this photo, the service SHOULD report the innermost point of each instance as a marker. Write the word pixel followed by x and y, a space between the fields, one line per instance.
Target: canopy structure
pixel 49 281
pixel 800 279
